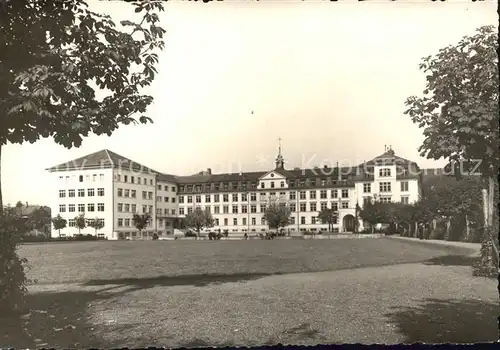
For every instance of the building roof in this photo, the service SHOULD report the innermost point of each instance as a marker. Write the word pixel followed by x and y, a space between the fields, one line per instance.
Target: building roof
pixel 103 159
pixel 108 159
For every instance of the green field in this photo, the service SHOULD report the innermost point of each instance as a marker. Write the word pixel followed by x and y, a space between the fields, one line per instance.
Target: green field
pixel 216 293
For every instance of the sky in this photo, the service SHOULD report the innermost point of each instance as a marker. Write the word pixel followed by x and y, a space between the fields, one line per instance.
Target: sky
pixel 329 79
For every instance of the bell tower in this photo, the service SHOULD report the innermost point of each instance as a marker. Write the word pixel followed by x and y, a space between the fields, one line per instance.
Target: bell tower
pixel 280 162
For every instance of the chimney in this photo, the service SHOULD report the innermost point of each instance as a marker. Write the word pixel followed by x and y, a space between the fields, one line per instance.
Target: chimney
pixel 325 167
pixel 209 171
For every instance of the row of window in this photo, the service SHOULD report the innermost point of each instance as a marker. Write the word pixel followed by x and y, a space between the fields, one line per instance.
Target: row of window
pixel 129 223
pixel 165 199
pixel 388 199
pixel 90 207
pixel 253 185
pixel 132 180
pixel 323 194
pixel 132 208
pixel 165 188
pixel 253 208
pixel 253 221
pixel 72 222
pixel 385 187
pixel 81 192
pixel 127 193
pixel 88 178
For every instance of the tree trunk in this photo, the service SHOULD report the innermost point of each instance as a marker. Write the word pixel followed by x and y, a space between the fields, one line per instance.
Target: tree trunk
pixel 467 228
pixel 448 227
pixel 416 229
pixel 1 201
pixel 59 233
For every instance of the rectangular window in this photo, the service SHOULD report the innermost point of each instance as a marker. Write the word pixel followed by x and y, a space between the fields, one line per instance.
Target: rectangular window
pixel 150 211
pixel 272 184
pixel 302 195
pixel 217 222
pixel 62 193
pixel 405 199
pixel 100 192
pixel 181 211
pixel 322 194
pixel 253 197
pixel 181 199
pixel 345 193
pixel 323 205
pixel 235 221
pixel 127 222
pixel 216 209
pixel 345 205
pixel 133 193
pixel 132 180
pixel 313 220
pixel 335 206
pixel 292 207
pixel 225 198
pixel 90 192
pixel 262 185
pixel 225 209
pixel 151 182
pixel 293 195
pixel 120 192
pixel 263 208
pixel 172 211
pixel 312 194
pixel 150 195
pixel 100 206
pixel 81 208
pixel 253 208
pixel 384 172
pixel 235 197
pixel 235 209
pixel 244 209
pixel 334 194
pixel 303 220
pixel 367 188
pixel 101 177
pixel 207 198
pixel 198 199
pixel 404 186
pixel 71 223
pixel 282 184
pixel 254 222
pixel 166 199
pixel 120 222
pixel 312 206
pixel 126 193
pixel 62 208
pixel 91 207
pixel 244 197
pixel 216 198
pixel 81 192
pixel 190 199
pixel 133 208
pixel 385 187
pixel 262 221
pixel 303 207
pixel 385 199
pixel 71 208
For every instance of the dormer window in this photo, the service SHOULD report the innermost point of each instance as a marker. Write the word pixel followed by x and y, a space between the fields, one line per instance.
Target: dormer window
pixel 272 184
pixel 226 186
pixel 384 172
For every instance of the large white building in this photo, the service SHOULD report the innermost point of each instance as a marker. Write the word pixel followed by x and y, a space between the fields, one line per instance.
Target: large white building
pixel 109 187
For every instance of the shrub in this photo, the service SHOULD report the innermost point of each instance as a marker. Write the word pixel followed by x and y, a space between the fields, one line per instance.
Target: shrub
pixel 13 279
pixel 438 233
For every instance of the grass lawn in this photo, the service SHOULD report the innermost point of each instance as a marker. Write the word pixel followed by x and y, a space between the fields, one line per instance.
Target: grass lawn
pixel 197 293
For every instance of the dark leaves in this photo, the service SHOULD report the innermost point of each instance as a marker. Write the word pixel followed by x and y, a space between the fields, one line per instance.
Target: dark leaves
pixel 460 107
pixel 49 90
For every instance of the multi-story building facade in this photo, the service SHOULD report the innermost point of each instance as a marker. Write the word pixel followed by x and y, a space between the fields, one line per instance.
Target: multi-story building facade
pixel 236 201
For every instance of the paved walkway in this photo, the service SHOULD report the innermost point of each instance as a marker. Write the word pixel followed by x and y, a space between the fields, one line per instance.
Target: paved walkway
pixel 474 247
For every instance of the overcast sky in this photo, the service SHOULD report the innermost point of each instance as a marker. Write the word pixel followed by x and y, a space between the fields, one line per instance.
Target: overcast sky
pixel 330 79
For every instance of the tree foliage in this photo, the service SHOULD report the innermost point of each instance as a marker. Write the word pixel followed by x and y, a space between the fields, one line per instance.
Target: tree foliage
pixel 199 219
pixel 459 107
pixel 328 216
pixel 57 54
pixel 96 224
pixel 277 215
pixel 59 223
pixel 80 222
pixel 140 221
